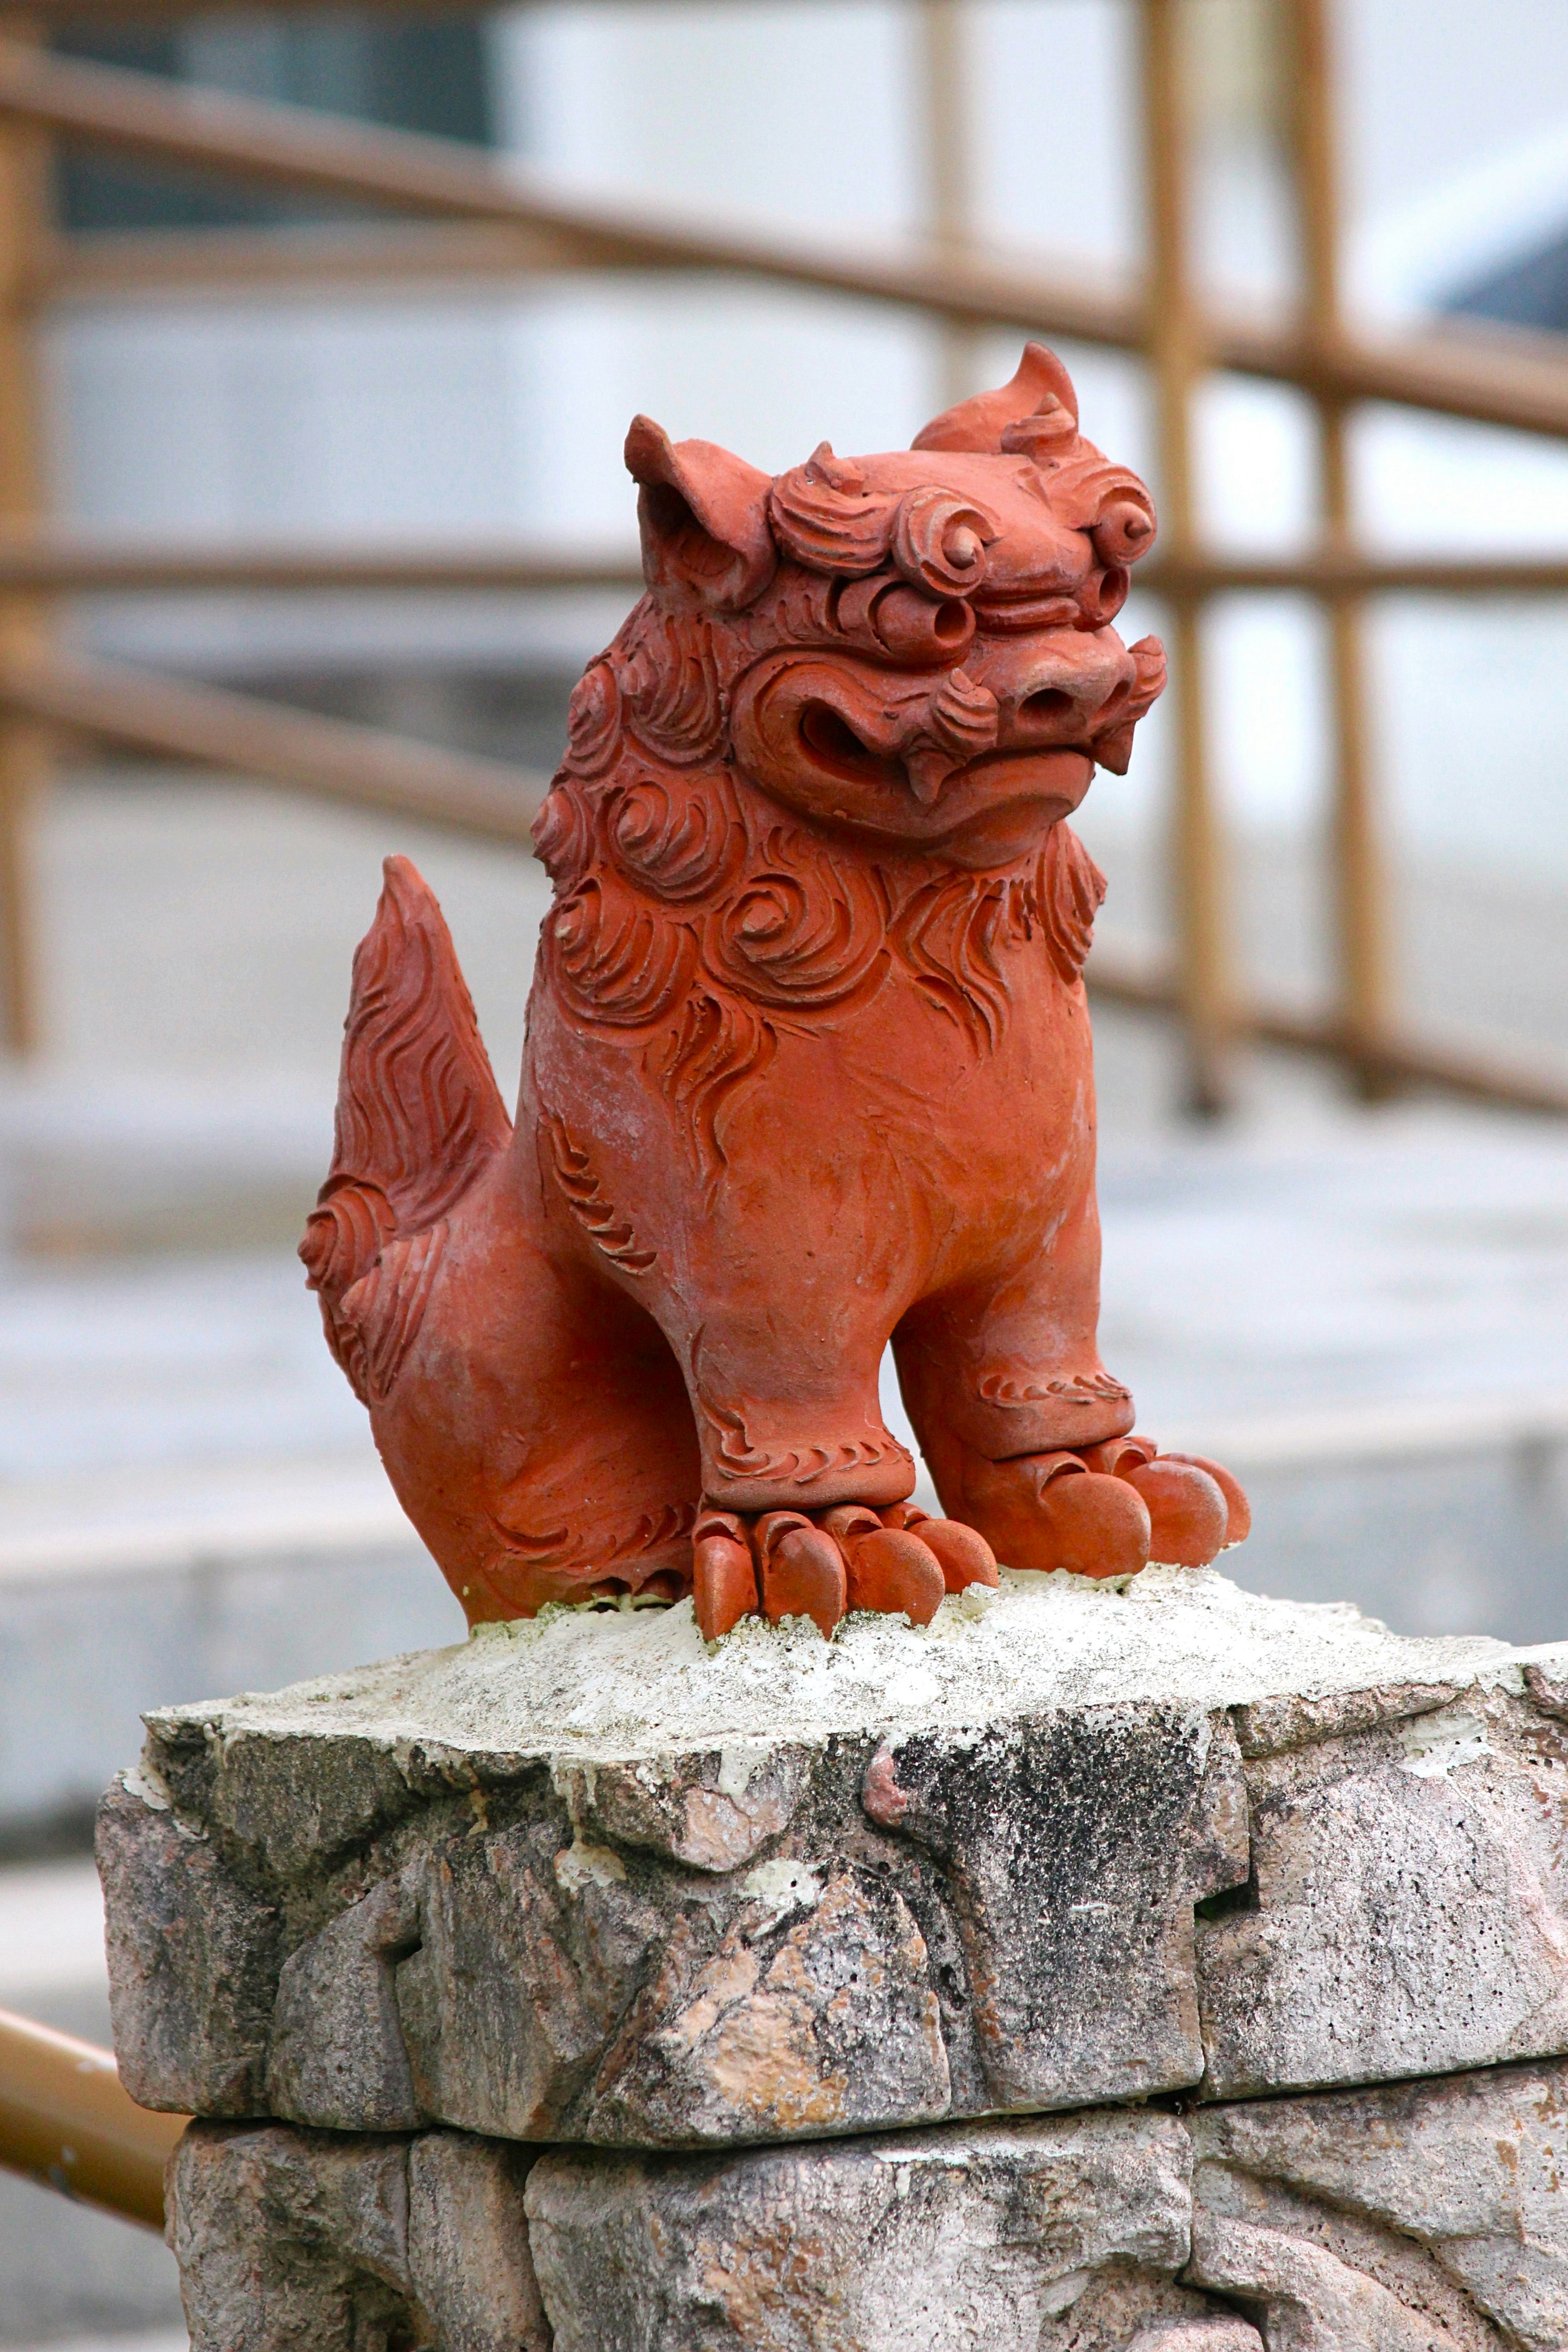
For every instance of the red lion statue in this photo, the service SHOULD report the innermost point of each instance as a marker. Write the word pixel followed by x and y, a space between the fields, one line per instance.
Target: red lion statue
pixel 808 1068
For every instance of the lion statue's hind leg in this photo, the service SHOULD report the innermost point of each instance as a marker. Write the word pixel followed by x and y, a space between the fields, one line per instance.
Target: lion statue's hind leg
pixel 532 1420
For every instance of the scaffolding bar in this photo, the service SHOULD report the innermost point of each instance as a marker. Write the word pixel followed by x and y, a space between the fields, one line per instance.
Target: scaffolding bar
pixel 1197 861
pixel 1360 892
pixel 24 750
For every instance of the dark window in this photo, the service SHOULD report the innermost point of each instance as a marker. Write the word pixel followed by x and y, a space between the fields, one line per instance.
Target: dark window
pixel 1531 292
pixel 415 74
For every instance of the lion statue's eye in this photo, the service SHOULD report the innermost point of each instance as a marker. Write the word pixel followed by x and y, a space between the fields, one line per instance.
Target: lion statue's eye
pixel 1121 531
pixel 940 541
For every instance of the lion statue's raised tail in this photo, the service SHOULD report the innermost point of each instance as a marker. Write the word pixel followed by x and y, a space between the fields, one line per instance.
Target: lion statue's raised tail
pixel 419 1117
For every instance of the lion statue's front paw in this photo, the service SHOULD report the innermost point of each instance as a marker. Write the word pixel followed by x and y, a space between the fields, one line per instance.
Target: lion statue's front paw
pixel 819 1565
pixel 1108 1509
pixel 1095 1510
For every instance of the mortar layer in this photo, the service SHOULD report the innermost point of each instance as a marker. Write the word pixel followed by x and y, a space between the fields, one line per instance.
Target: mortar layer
pixel 637 1682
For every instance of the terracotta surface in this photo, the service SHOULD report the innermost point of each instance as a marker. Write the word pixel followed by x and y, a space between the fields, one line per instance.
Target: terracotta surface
pixel 808 1067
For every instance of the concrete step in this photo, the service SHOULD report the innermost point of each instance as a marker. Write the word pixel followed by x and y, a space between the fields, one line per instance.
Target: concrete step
pixel 161 2340
pixel 99 1621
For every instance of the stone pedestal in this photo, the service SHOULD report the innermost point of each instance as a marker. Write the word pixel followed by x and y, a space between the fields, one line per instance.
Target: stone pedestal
pixel 583 1986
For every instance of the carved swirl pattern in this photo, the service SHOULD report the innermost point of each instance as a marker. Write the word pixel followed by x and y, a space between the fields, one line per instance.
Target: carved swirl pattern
pixel 828 520
pixel 836 524
pixel 616 955
pixel 563 836
pixel 417 1105
pixel 669 683
pixel 717 1042
pixel 679 841
pixel 940 541
pixel 949 936
pixel 650 1532
pixel 737 1453
pixel 343 1234
pixel 1082 1388
pixel 953 934
pixel 593 720
pixel 799 937
pixel 553 1548
pixel 681 932
pixel 612 1235
pixel 385 1308
pixel 418 1114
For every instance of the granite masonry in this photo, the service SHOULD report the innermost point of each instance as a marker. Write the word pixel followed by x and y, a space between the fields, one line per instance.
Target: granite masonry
pixel 1150 1966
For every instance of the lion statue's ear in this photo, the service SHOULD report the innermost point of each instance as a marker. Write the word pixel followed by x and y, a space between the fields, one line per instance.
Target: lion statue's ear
pixel 704 516
pixel 1041 385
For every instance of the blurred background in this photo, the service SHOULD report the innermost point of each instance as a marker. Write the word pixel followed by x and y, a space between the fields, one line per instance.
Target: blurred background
pixel 311 509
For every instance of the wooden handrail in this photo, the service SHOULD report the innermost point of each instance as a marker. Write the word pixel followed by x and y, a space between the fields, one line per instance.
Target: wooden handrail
pixel 1345 572
pixel 128 265
pixel 1490 380
pixel 63 564
pixel 66 565
pixel 326 759
pixel 1399 1056
pixel 65 2120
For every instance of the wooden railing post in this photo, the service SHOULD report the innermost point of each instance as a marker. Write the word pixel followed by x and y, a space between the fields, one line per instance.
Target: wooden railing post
pixel 1359 898
pixel 944 33
pixel 24 751
pixel 1198 863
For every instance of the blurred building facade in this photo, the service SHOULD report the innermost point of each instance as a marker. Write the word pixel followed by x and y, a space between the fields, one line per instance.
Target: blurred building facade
pixel 483 411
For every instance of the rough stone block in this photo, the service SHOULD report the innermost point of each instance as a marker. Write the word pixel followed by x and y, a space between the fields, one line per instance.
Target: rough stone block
pixel 335 2020
pixel 816 2013
pixel 1064 2234
pixel 1408 1910
pixel 1217 2332
pixel 1016 2238
pixel 584 1878
pixel 192 1961
pixel 1424 2217
pixel 300 2241
pixel 1055 1841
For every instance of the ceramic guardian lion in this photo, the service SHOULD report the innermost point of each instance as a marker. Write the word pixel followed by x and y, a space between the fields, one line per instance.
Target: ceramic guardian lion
pixel 807 1068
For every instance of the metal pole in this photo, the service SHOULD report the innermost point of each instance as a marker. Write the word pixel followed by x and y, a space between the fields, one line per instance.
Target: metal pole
pixel 1177 356
pixel 944 46
pixel 24 750
pixel 1360 884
